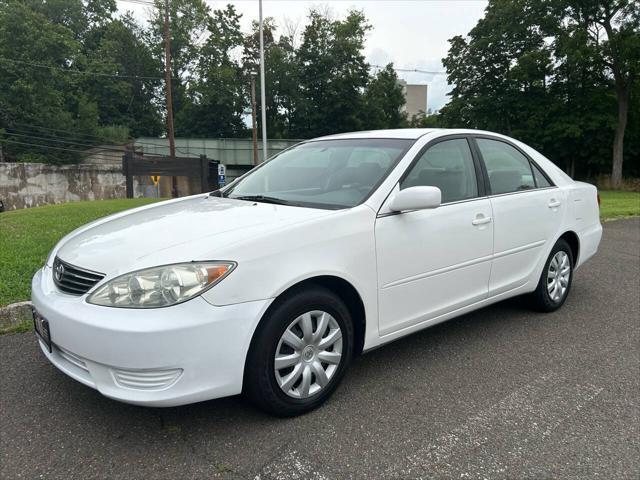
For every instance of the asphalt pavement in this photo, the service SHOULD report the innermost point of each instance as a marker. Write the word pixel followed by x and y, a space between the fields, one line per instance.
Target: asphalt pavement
pixel 498 393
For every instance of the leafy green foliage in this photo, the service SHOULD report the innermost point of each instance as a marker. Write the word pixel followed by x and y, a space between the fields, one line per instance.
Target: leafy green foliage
pixel 544 71
pixel 71 76
pixel 216 97
pixel 118 48
pixel 383 98
pixel 333 73
pixel 282 74
pixel 74 74
pixel 32 94
pixel 188 20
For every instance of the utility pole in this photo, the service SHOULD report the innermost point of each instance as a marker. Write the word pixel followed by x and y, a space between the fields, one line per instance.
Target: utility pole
pixel 168 94
pixel 262 88
pixel 253 119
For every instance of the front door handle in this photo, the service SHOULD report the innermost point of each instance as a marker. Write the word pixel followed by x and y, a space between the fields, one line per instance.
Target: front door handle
pixel 553 203
pixel 481 220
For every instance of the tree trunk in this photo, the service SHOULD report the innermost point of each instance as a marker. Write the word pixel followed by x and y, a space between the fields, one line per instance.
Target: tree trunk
pixel 622 94
pixel 571 168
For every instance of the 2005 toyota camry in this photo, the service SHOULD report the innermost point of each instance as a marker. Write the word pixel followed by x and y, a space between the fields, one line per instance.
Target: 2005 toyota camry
pixel 336 246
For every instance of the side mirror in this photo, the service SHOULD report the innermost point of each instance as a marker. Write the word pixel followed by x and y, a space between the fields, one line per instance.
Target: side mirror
pixel 416 198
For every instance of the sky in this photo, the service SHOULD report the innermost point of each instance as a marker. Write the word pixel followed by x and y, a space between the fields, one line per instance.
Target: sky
pixel 411 34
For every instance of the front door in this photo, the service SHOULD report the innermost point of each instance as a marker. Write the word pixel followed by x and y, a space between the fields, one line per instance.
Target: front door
pixel 431 262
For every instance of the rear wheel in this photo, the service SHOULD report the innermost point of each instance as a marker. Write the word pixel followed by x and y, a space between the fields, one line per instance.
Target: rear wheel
pixel 555 280
pixel 299 353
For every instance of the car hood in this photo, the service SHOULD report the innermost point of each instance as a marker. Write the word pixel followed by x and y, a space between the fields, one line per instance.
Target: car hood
pixel 194 228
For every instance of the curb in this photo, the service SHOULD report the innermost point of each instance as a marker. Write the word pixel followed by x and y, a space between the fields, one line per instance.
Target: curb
pixel 15 314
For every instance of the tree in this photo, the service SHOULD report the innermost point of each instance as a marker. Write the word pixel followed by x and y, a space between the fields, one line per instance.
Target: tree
pixel 128 98
pixel 282 74
pixel 612 30
pixel 216 94
pixel 558 74
pixel 384 100
pixel 581 113
pixel 500 72
pixel 425 120
pixel 37 84
pixel 73 76
pixel 333 74
pixel 188 20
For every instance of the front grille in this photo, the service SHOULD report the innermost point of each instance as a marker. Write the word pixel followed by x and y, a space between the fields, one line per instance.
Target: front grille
pixel 74 280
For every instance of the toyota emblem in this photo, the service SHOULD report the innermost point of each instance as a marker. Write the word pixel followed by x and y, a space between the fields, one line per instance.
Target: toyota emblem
pixel 59 271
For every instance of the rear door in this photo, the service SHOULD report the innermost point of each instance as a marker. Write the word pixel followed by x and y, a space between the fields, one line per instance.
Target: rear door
pixel 527 210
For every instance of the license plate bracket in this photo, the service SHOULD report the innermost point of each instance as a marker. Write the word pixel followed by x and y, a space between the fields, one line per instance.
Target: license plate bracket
pixel 43 329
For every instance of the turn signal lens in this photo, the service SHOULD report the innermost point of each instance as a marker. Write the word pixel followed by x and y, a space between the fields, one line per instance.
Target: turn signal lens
pixel 215 273
pixel 160 286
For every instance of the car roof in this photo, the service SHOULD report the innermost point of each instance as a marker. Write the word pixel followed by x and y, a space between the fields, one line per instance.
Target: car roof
pixel 406 133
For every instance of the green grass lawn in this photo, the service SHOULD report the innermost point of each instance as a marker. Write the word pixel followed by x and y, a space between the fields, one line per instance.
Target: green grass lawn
pixel 615 204
pixel 27 236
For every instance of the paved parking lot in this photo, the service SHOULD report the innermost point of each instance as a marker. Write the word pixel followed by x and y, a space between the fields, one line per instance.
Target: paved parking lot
pixel 499 393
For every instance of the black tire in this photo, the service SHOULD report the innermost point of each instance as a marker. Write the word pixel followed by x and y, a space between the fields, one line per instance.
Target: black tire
pixel 260 384
pixel 540 299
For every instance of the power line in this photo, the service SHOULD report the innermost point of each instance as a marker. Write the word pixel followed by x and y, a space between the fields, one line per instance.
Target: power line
pixel 51 147
pixel 412 70
pixel 78 72
pixel 117 154
pixel 67 134
pixel 74 142
pixel 57 132
pixel 31 127
pixel 65 140
pixel 139 2
pixel 73 137
pixel 4 140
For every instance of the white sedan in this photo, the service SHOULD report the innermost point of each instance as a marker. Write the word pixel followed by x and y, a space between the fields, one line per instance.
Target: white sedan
pixel 336 246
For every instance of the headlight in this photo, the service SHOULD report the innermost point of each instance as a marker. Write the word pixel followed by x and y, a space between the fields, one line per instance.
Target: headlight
pixel 160 286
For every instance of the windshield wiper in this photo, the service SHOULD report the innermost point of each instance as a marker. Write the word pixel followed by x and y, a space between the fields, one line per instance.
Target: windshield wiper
pixel 263 199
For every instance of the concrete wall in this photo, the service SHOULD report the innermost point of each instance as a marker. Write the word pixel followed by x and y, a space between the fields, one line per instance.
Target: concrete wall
pixel 24 185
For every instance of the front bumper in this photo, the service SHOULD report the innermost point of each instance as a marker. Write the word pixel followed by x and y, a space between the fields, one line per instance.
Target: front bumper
pixel 161 357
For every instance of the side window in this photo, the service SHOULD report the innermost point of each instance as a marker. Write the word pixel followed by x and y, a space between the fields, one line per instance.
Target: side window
pixel 508 169
pixel 447 165
pixel 541 180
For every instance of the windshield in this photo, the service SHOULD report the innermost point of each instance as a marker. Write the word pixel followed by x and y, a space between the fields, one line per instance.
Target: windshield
pixel 323 173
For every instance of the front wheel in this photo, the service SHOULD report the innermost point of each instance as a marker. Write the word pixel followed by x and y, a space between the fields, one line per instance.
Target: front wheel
pixel 299 353
pixel 555 280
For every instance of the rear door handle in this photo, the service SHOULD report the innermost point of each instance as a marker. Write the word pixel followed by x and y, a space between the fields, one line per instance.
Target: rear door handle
pixel 481 220
pixel 554 203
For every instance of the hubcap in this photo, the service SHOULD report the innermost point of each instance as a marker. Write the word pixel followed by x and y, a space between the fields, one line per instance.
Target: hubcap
pixel 308 354
pixel 558 276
